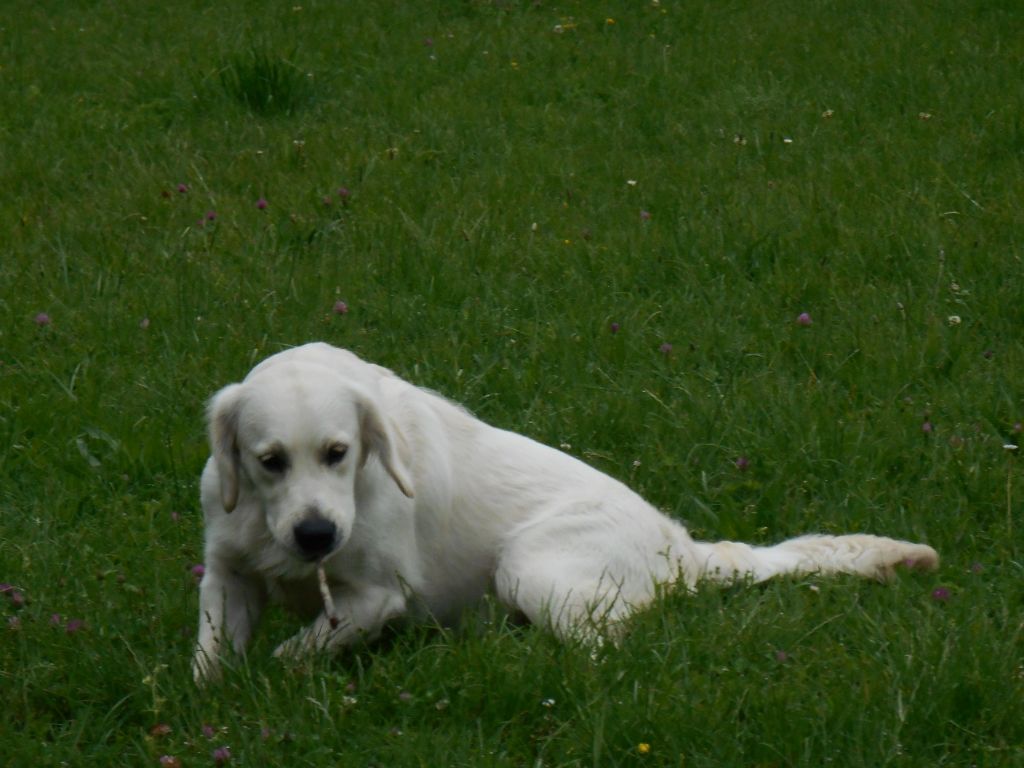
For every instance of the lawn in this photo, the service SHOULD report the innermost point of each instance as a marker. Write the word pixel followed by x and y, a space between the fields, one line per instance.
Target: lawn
pixel 763 262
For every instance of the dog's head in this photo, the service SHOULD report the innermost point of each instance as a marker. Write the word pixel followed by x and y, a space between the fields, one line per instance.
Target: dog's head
pixel 295 434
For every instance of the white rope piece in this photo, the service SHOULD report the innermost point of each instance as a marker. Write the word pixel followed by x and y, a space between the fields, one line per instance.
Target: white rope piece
pixel 325 594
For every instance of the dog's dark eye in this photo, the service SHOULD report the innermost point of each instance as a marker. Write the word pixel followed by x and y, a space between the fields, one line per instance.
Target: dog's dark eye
pixel 335 454
pixel 275 463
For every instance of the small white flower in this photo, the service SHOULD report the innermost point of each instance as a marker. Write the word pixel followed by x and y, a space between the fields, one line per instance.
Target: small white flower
pixel 631 182
pixel 786 140
pixel 1010 447
pixel 954 320
pixel 548 703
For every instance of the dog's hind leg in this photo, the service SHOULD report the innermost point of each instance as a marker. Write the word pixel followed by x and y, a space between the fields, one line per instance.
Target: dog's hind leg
pixel 575 607
pixel 580 573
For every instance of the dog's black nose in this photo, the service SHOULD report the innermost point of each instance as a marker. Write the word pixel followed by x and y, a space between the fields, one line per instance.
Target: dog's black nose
pixel 315 536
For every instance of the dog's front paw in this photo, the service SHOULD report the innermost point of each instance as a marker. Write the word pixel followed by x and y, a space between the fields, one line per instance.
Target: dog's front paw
pixel 309 641
pixel 205 668
pixel 295 648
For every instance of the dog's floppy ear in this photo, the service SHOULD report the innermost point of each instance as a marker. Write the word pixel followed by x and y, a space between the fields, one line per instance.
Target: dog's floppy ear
pixel 222 419
pixel 380 436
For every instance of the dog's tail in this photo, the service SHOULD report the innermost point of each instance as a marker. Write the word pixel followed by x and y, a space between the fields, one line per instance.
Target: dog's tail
pixel 874 557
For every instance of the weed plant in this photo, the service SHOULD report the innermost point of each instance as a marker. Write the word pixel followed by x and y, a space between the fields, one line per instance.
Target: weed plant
pixel 760 261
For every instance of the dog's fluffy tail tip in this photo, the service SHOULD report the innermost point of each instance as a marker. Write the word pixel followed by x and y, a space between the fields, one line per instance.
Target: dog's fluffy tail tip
pixel 923 558
pixel 916 557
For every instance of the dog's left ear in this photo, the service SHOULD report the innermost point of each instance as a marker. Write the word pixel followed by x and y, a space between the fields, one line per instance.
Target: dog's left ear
pixel 380 436
pixel 222 418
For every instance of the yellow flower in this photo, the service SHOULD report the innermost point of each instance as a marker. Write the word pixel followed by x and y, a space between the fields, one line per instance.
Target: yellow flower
pixel 643 748
pixel 609 21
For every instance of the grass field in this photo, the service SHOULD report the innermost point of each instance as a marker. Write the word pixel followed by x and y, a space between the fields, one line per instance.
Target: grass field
pixel 594 223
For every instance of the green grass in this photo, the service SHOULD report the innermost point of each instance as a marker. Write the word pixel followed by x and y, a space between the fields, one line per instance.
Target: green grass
pixel 861 162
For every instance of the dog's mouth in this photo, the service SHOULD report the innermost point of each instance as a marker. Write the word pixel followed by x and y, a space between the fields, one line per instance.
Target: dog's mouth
pixel 308 557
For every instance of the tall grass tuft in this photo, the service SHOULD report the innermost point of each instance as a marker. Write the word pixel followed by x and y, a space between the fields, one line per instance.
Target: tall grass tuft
pixel 265 82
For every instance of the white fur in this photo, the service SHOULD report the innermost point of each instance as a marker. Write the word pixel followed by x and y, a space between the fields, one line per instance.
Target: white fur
pixel 433 509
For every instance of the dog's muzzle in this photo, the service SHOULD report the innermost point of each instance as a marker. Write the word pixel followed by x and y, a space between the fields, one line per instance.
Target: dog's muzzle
pixel 315 537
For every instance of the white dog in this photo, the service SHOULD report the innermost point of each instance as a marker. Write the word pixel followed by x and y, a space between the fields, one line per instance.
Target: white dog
pixel 412 507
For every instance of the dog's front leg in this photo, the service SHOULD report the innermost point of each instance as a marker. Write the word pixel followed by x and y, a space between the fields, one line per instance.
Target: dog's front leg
pixel 359 614
pixel 230 605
